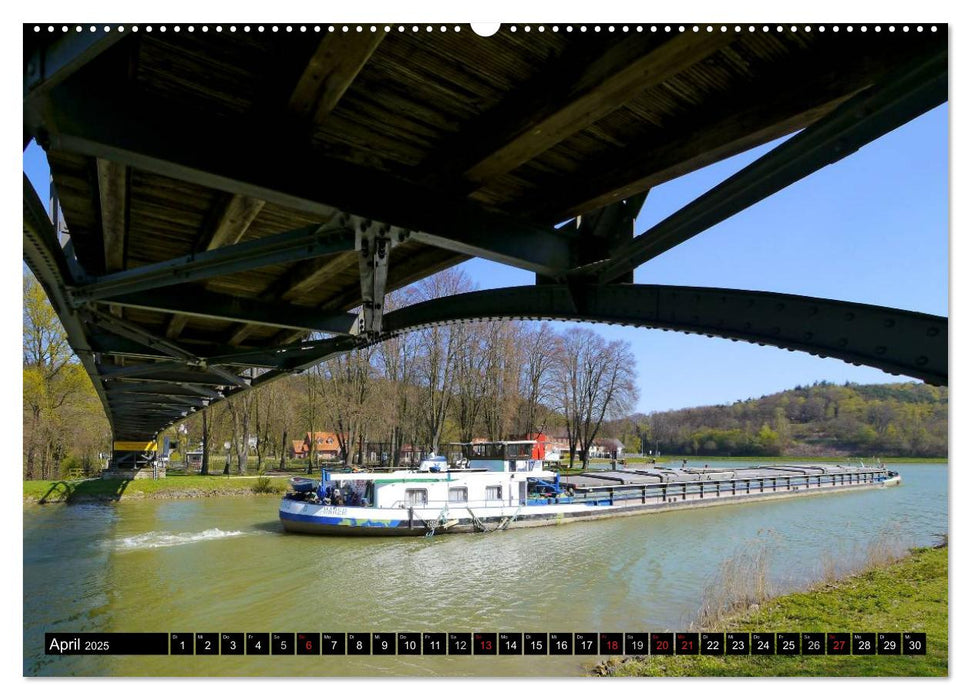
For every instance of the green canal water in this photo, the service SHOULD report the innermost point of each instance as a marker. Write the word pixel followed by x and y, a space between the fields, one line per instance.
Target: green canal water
pixel 225 565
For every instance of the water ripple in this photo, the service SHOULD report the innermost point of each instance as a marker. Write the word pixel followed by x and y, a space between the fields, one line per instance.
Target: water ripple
pixel 154 540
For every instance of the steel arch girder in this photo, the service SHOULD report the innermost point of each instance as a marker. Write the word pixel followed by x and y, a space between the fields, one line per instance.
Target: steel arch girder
pixel 893 340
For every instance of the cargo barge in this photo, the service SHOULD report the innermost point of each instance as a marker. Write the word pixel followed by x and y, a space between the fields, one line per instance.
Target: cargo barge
pixel 501 487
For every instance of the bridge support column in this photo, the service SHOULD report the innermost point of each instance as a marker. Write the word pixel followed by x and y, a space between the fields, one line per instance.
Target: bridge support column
pixel 134 459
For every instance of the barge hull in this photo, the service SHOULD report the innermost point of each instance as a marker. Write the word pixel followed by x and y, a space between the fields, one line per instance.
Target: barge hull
pixel 458 520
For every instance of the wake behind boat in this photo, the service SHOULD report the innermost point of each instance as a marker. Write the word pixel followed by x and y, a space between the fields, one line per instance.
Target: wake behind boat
pixel 500 486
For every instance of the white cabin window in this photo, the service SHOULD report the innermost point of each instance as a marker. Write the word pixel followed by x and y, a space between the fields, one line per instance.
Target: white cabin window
pixel 458 495
pixel 416 497
pixel 493 493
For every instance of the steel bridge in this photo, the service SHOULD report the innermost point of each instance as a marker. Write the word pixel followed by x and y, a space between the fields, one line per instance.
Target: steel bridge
pixel 228 193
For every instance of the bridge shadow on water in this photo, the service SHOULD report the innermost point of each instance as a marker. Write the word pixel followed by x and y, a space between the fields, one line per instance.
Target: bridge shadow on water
pixel 87 491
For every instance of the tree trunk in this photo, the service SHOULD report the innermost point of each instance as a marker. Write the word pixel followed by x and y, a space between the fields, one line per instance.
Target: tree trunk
pixel 283 450
pixel 205 442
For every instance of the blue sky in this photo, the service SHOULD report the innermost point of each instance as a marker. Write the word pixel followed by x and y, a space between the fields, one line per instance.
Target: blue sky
pixel 872 228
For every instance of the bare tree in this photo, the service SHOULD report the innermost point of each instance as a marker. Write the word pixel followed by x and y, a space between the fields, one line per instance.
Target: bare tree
pixel 313 383
pixel 500 395
pixel 348 405
pixel 470 377
pixel 438 351
pixel 270 409
pixel 396 358
pixel 537 383
pixel 240 410
pixel 597 381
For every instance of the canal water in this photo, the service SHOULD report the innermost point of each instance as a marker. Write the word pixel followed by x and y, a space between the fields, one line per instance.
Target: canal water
pixel 225 565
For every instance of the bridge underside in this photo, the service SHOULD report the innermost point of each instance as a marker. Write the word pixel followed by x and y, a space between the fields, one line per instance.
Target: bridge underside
pixel 227 195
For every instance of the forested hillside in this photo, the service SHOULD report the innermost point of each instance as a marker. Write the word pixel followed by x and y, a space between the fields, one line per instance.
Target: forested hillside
pixel 888 420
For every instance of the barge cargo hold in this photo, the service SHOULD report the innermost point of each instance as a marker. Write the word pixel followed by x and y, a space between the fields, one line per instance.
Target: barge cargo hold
pixel 502 488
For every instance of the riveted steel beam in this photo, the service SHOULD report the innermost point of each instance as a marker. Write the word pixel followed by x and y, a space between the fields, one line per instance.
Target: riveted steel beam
pixel 149 385
pixel 193 301
pixel 299 244
pixel 135 370
pixel 134 332
pixel 46 259
pixel 896 341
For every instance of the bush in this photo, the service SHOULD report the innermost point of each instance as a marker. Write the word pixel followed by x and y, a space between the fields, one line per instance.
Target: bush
pixel 71 467
pixel 264 485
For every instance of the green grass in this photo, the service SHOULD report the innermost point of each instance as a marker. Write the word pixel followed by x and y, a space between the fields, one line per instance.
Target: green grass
pixel 168 487
pixel 910 595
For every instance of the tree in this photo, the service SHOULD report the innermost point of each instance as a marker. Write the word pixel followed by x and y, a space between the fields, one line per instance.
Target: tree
pixel 471 377
pixel 62 415
pixel 240 411
pixel 501 371
pixel 537 385
pixel 396 359
pixel 313 387
pixel 597 381
pixel 348 391
pixel 438 350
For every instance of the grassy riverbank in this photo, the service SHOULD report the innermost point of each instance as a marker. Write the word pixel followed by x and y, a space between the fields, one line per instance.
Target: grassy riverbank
pixel 106 490
pixel 910 595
